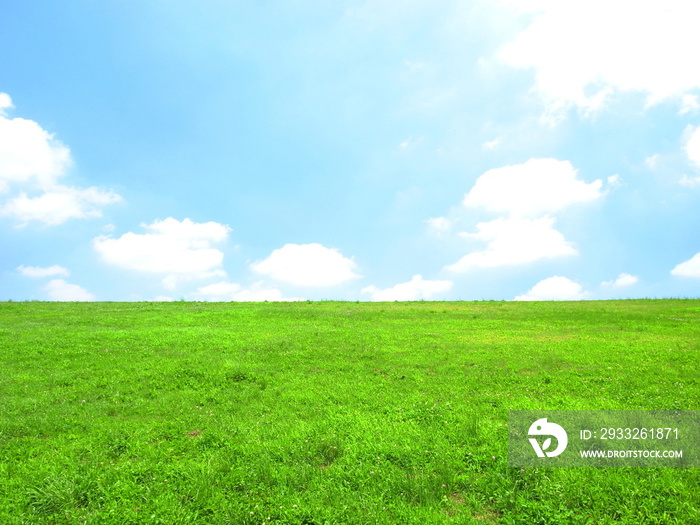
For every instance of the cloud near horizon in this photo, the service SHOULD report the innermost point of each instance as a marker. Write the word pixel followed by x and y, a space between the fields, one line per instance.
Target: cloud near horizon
pixel 60 290
pixel 228 291
pixel 624 279
pixel 177 250
pixel 307 265
pixel 417 289
pixel 555 288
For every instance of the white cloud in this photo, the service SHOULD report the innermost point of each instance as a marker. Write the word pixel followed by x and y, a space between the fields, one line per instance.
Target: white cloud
pixel 179 250
pixel 624 279
pixel 514 242
pixel 307 265
pixel 37 271
pixel 31 163
pixel 689 268
pixel 491 144
pixel 652 161
pixel 227 291
pixel 439 225
pixel 554 289
pixel 60 290
pixel 414 290
pixel 271 295
pixel 536 187
pixel 614 181
pixel 689 182
pixel 59 205
pixel 527 194
pixel 5 103
pixel 187 230
pixel 221 291
pixel 173 280
pixel 692 144
pixel 582 52
pixel 28 154
pixel 689 104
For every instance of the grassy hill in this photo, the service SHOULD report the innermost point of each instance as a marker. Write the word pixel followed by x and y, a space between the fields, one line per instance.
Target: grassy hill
pixel 330 412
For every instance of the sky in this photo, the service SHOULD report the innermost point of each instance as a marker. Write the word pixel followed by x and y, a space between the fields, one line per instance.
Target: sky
pixel 360 150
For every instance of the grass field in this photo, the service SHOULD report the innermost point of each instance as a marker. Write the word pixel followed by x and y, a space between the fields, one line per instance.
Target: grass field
pixel 330 412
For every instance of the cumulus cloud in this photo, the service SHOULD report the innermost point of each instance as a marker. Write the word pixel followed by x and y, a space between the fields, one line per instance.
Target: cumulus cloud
pixel 227 291
pixel 527 195
pixel 534 188
pixel 554 289
pixel 60 290
pixel 624 279
pixel 29 154
pixel 689 268
pixel 582 52
pixel 178 250
pixel 513 242
pixel 415 290
pixel 32 161
pixel 307 265
pixel 37 271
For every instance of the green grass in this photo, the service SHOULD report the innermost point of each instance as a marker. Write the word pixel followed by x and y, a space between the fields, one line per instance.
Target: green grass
pixel 329 412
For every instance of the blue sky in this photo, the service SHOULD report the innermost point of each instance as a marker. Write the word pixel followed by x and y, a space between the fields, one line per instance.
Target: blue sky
pixel 350 150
